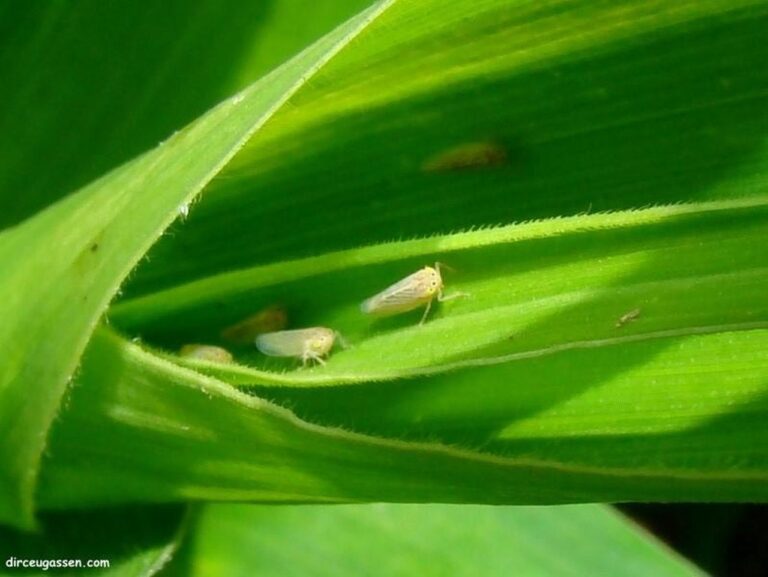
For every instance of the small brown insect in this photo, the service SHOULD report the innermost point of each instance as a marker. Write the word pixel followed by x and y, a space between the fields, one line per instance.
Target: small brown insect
pixel 206 353
pixel 470 155
pixel 628 317
pixel 268 320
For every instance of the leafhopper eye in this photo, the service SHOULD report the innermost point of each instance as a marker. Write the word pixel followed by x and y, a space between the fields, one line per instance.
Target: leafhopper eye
pixel 206 353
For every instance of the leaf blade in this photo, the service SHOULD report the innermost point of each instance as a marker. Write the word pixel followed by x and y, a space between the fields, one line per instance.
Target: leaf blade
pixel 88 243
pixel 424 540
pixel 172 434
pixel 535 289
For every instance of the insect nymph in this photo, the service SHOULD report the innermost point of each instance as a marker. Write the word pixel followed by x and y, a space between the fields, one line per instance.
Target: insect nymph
pixel 415 290
pixel 206 353
pixel 268 320
pixel 307 344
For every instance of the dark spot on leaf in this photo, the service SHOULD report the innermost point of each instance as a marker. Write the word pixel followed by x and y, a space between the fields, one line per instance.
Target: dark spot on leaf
pixel 470 155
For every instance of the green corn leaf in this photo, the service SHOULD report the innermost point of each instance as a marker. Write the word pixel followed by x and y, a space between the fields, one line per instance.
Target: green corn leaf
pixel 84 246
pixel 171 434
pixel 592 107
pixel 532 290
pixel 140 74
pixel 611 349
pixel 424 540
